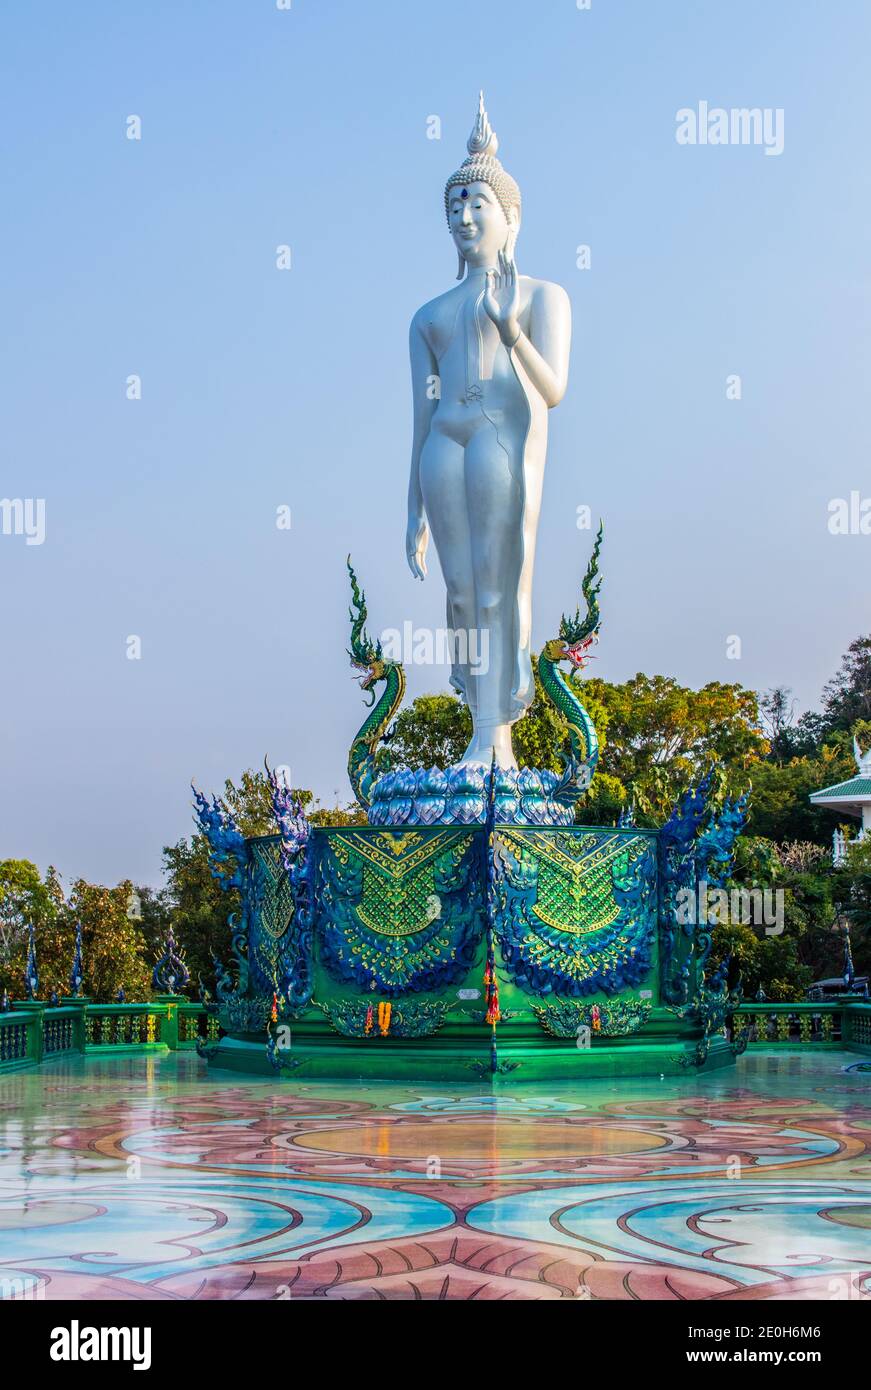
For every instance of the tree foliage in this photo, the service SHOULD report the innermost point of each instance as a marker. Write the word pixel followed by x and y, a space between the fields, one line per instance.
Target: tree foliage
pixel 662 736
pixel 847 696
pixel 113 945
pixel 854 892
pixel 780 805
pixel 114 948
pixel 432 732
pixel 802 893
pixel 26 899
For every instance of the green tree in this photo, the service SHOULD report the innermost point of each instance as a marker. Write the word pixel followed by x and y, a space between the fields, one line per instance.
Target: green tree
pixel 432 732
pixel 196 908
pixel 113 945
pixel 777 715
pixel 661 736
pixel 790 737
pixel 847 696
pixel 853 890
pixel 250 803
pixel 27 899
pixel 785 963
pixel 780 971
pixel 352 814
pixel 780 808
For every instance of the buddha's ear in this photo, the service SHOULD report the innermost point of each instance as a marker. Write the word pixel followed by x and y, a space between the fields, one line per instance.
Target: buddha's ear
pixel 513 230
pixel 461 267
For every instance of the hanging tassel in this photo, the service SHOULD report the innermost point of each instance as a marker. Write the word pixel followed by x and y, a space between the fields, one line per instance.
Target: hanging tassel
pixel 384 1012
pixel 596 1019
pixel 369 1019
pixel 493 1014
pixel 274 1014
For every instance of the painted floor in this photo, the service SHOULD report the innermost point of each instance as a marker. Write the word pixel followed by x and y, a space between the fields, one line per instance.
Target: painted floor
pixel 149 1178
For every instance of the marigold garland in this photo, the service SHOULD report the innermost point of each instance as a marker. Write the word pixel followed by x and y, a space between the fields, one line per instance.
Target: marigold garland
pixel 493 1014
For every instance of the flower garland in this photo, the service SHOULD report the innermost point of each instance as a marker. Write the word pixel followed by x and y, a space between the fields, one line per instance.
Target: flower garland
pixel 491 993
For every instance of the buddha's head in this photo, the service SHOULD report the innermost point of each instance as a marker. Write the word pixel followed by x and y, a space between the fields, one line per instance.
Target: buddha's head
pixel 482 202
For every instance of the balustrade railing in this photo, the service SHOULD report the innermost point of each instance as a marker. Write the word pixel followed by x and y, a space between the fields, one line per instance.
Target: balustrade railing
pixel 19 1040
pixel 59 1031
pixel 858 1028
pixel 35 1032
pixel 833 1023
pixel 121 1025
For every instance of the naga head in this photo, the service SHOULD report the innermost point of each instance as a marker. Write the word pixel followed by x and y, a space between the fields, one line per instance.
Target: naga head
pixel 366 656
pixel 578 634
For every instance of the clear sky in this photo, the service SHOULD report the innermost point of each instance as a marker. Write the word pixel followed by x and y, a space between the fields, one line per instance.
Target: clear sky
pixel 262 387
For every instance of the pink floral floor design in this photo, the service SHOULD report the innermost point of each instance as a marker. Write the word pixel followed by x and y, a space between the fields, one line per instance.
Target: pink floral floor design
pixel 151 1178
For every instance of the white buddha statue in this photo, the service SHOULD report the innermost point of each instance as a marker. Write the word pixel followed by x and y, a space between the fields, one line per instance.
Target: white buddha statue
pixel 489 358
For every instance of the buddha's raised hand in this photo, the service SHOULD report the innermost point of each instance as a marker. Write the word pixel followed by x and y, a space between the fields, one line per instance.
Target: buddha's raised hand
pixel 502 299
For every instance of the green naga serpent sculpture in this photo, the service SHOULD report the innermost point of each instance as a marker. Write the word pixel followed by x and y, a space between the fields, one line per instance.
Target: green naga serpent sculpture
pixel 576 636
pixel 368 658
pixel 457 795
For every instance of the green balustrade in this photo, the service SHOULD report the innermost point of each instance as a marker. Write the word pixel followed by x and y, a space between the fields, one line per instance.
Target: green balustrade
pixel 858 1028
pixel 20 1039
pixel 60 1031
pixel 836 1023
pixel 33 1032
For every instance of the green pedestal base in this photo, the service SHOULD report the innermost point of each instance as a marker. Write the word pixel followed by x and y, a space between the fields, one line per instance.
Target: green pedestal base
pixel 469 1059
pixel 405 929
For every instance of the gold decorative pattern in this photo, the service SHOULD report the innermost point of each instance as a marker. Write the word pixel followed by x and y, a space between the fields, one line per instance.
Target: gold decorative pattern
pixel 392 854
pixel 276 911
pixel 398 907
pixel 575 890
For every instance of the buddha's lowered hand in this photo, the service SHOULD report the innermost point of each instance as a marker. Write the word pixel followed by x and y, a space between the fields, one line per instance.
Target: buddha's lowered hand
pixel 416 542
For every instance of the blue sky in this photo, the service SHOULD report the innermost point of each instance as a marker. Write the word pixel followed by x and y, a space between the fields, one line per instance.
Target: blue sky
pixel 263 388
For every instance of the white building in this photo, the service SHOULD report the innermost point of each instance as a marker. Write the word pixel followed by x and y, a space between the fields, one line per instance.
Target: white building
pixel 853 797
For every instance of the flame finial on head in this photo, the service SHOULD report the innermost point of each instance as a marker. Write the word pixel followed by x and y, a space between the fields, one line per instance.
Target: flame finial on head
pixel 482 166
pixel 483 139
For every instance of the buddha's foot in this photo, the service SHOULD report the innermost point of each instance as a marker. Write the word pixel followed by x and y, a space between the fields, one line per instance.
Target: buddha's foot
pixel 489 745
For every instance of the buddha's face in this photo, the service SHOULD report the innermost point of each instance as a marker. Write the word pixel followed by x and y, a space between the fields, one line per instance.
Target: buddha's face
pixel 478 225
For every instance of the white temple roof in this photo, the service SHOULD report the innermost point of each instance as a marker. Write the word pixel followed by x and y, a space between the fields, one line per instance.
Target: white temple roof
pixel 852 795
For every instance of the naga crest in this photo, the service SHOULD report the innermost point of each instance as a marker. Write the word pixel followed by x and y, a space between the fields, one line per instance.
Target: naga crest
pixel 577 634
pixel 289 815
pixel 365 654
